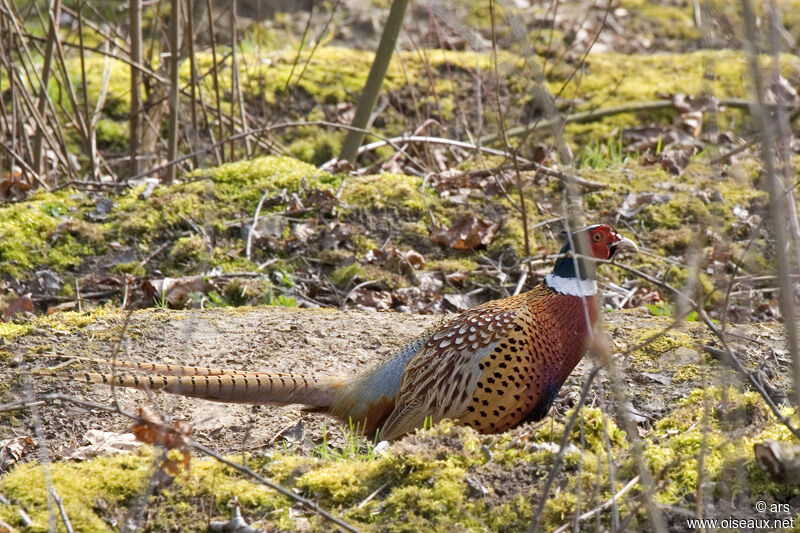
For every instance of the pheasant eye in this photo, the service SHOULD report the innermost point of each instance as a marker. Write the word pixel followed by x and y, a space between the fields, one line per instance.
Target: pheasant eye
pixel 596 236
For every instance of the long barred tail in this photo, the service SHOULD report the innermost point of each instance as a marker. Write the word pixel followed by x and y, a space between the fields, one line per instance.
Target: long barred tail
pixel 176 370
pixel 224 386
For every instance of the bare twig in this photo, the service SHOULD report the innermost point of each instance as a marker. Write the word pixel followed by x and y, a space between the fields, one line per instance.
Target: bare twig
pixel 63 512
pixel 174 57
pixel 600 508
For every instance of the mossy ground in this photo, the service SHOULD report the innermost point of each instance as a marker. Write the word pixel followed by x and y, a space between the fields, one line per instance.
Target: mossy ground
pixel 431 481
pixel 200 224
pixel 440 479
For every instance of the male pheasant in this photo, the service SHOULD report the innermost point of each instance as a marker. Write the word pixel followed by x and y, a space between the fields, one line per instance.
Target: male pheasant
pixel 492 368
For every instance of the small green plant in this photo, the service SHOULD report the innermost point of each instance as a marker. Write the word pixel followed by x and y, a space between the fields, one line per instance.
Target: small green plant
pixel 600 155
pixel 215 299
pixel 355 446
pixel 667 309
pixel 284 278
pixel 323 450
pixel 161 302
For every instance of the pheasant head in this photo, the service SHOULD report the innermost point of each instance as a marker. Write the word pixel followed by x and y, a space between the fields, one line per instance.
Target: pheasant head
pixel 575 273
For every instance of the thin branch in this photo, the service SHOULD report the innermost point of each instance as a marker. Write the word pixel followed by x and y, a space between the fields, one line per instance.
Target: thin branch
pixel 602 507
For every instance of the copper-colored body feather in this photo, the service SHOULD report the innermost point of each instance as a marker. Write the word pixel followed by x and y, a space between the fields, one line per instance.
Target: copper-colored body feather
pixel 492 368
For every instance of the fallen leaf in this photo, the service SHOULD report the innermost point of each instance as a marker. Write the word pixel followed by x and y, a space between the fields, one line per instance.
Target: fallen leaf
pixel 635 202
pixel 461 302
pixel 303 231
pixel 12 450
pixel 467 233
pixel 270 226
pixel 378 300
pixel 175 291
pixel 104 443
pixel 457 278
pixel 691 123
pixel 416 300
pixel 335 235
pixel 430 281
pixel 14 185
pixel 152 429
pixel 415 259
pixel 321 200
pixel 411 257
pixel 22 305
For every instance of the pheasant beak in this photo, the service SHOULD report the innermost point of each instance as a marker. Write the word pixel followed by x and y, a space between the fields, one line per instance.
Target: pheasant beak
pixel 622 242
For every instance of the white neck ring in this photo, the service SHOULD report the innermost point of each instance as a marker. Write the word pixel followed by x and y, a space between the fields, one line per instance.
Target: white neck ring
pixel 571 286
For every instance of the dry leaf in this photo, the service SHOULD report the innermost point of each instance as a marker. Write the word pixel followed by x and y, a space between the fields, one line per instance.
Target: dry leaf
pixel 416 300
pixel 173 436
pixel 412 257
pixel 378 300
pixel 467 233
pixel 457 278
pixel 12 450
pixel 104 443
pixel 303 231
pixel 14 185
pixel 22 305
pixel 415 259
pixel 174 291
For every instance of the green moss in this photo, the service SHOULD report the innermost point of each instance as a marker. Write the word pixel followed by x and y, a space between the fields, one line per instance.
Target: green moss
pixel 396 191
pixel 431 497
pixel 11 330
pixel 511 235
pixel 674 241
pixel 315 147
pixel 452 264
pixel 119 480
pixel 346 482
pixel 415 233
pixel 70 321
pixel 362 244
pixel 513 515
pixel 593 423
pixel 662 344
pixel 80 485
pixel 43 232
pixel 189 253
pixel 228 192
pixel 734 421
pixel 615 78
pixel 134 268
pixel 112 135
pixel 651 20
pixel 386 279
pixel 686 373
pixel 344 274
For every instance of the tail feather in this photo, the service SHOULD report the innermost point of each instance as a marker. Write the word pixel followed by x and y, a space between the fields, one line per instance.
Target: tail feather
pixel 177 370
pixel 242 387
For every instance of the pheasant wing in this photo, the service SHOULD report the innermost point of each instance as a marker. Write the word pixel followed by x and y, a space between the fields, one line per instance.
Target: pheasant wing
pixel 440 380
